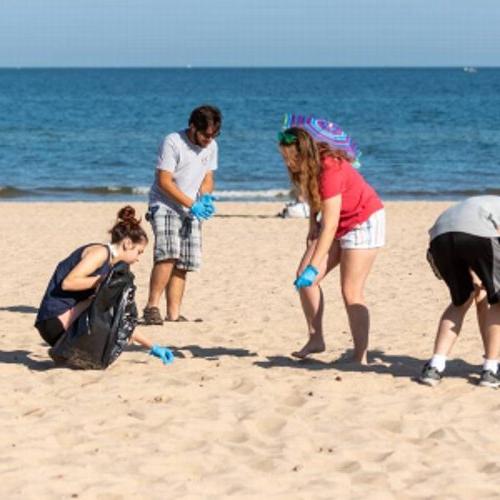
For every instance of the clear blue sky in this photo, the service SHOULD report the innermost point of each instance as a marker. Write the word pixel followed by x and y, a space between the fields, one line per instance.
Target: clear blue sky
pixel 249 33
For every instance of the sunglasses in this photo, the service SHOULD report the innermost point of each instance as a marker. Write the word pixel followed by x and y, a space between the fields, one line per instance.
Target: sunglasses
pixel 208 136
pixel 286 139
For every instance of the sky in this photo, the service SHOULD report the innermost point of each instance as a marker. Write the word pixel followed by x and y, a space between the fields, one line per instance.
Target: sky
pixel 249 33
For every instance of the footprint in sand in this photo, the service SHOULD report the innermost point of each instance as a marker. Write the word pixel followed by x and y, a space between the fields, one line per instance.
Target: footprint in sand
pixel 349 467
pixel 270 426
pixel 395 426
pixel 295 400
pixel 490 468
pixel 36 412
pixel 262 464
pixel 383 456
pixel 243 386
pixel 236 437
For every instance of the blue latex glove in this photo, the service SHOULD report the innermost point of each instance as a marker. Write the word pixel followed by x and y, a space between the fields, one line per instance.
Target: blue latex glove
pixel 164 353
pixel 200 210
pixel 306 278
pixel 208 200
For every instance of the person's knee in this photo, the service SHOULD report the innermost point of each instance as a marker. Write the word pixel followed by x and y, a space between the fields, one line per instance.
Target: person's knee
pixel 352 294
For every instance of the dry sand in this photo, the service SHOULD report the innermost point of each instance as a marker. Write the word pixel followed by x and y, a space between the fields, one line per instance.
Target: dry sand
pixel 235 415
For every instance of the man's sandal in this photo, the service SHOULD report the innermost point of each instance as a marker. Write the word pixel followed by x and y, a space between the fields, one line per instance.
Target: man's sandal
pixel 152 316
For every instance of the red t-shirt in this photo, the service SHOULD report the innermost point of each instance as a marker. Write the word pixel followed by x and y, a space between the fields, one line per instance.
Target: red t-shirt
pixel 359 199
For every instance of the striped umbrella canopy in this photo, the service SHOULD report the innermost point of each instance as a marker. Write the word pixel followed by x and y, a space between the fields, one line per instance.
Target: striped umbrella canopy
pixel 322 130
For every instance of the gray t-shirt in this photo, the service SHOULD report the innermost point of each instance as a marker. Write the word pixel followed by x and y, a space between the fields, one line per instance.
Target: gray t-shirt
pixel 479 216
pixel 188 163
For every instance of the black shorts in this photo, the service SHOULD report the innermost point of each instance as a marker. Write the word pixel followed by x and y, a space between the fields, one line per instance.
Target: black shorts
pixel 50 329
pixel 454 254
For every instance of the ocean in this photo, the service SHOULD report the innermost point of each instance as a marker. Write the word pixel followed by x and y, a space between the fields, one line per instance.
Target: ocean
pixel 93 134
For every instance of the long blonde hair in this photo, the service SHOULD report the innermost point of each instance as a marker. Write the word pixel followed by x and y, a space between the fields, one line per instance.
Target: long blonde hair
pixel 303 157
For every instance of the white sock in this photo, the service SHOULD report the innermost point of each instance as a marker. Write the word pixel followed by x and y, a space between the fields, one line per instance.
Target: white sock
pixel 438 361
pixel 491 365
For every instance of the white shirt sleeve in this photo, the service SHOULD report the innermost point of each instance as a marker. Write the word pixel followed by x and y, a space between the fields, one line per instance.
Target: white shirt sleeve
pixel 214 157
pixel 168 155
pixel 495 214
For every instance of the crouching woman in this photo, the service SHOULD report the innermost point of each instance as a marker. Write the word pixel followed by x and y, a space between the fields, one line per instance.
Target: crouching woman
pixel 75 280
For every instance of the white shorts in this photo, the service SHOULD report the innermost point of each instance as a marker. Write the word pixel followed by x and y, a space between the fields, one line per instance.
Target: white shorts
pixel 368 234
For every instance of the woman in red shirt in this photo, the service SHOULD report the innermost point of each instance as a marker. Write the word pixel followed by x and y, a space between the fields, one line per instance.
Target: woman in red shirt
pixel 346 228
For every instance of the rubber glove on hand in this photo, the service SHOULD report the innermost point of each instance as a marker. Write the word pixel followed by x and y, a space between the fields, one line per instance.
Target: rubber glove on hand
pixel 208 200
pixel 200 210
pixel 164 353
pixel 306 278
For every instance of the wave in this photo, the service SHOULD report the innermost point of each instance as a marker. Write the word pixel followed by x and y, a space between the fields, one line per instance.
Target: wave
pixel 103 192
pixel 13 192
pixel 436 193
pixel 56 192
pixel 268 194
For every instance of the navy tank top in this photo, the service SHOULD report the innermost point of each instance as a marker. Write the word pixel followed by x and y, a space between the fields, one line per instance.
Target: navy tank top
pixel 56 301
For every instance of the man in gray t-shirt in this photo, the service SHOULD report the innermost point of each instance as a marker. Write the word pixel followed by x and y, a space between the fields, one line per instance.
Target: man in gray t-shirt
pixel 464 251
pixel 479 216
pixel 179 199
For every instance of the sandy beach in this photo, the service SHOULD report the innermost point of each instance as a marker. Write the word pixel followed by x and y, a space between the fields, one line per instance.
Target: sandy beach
pixel 235 415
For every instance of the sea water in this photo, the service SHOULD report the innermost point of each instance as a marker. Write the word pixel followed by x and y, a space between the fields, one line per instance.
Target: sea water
pixel 93 134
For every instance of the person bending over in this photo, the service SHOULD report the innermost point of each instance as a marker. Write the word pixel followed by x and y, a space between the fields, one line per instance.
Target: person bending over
pixel 346 229
pixel 464 252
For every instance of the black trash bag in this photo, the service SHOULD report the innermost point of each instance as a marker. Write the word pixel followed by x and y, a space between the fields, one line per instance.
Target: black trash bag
pixel 101 332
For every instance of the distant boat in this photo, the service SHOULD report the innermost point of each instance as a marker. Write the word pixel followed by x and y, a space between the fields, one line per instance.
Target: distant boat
pixel 470 69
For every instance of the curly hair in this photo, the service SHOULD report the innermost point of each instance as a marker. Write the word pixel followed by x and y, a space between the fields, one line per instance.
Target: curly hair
pixel 304 157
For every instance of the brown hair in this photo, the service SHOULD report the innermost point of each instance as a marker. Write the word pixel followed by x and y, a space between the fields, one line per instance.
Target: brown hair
pixel 127 226
pixel 206 116
pixel 304 158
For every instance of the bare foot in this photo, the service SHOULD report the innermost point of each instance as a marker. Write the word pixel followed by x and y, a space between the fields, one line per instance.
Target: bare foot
pixel 314 345
pixel 353 359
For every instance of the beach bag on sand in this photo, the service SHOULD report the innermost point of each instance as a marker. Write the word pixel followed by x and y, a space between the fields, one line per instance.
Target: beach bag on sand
pixel 295 210
pixel 100 333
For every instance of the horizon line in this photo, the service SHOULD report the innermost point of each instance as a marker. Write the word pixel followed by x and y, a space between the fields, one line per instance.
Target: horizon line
pixel 193 67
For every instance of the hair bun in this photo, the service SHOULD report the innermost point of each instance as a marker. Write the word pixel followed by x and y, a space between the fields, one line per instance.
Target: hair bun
pixel 127 214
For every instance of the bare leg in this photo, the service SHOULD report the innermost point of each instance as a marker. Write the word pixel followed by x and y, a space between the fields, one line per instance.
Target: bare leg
pixel 67 318
pixel 175 292
pixel 355 265
pixel 492 328
pixel 160 275
pixel 482 307
pixel 449 327
pixel 312 302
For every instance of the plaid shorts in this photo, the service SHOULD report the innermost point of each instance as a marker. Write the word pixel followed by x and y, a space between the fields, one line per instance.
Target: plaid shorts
pixel 176 237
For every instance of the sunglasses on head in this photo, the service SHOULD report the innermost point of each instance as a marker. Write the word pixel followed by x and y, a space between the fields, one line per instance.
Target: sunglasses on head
pixel 286 139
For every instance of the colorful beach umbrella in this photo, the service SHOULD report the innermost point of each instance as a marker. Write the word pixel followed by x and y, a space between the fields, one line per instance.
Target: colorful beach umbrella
pixel 322 130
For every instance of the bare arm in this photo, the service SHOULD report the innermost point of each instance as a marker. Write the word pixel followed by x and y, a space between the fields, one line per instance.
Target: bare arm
pixel 167 184
pixel 79 278
pixel 208 184
pixel 330 214
pixel 314 228
pixel 142 339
